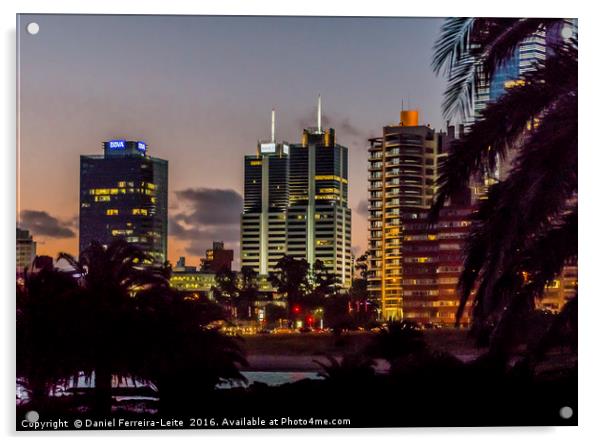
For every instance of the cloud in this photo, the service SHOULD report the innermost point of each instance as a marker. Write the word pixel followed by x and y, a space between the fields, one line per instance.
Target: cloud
pixel 362 208
pixel 43 224
pixel 210 206
pixel 206 215
pixel 228 232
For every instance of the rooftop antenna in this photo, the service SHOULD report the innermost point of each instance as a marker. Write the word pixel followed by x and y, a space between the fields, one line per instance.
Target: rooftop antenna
pixel 273 125
pixel 319 113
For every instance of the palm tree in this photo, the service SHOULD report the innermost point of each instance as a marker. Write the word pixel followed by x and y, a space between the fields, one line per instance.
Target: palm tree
pixel 109 279
pixel 44 336
pixel 526 229
pixel 179 351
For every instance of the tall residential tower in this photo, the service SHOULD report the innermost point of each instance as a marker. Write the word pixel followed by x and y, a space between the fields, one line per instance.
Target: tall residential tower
pixel 403 170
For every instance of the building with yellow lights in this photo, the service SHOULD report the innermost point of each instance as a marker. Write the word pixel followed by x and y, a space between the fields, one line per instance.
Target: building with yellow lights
pixel 319 217
pixel 26 250
pixel 296 203
pixel 266 195
pixel 194 281
pixel 405 258
pixel 123 193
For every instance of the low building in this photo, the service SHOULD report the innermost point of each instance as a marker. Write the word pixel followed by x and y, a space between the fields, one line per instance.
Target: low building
pixel 432 263
pixel 199 283
pixel 217 258
pixel 26 250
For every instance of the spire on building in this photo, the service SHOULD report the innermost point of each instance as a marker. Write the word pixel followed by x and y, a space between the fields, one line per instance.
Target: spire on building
pixel 319 113
pixel 273 125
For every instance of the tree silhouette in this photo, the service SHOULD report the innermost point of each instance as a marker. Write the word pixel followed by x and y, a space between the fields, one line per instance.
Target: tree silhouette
pixel 109 279
pixel 526 230
pixel 129 323
pixel 248 293
pixel 45 334
pixel 291 278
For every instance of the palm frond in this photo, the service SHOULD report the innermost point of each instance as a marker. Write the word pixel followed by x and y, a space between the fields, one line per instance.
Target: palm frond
pixel 460 90
pixel 545 179
pixel 505 123
pixel 452 43
pixel 470 50
pixel 501 45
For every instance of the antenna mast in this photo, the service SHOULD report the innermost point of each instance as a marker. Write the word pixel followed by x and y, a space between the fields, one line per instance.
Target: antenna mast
pixel 319 113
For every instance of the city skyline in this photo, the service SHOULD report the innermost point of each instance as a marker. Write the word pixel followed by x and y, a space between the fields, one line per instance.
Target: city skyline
pixel 205 118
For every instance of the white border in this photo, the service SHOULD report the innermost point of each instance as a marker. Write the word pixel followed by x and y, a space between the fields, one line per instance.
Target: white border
pixel 590 163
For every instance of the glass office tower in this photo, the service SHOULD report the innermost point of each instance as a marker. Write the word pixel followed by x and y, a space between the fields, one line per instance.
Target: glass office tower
pixel 266 194
pixel 123 193
pixel 319 218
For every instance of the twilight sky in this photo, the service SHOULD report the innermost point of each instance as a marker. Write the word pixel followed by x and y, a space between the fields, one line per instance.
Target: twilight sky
pixel 199 90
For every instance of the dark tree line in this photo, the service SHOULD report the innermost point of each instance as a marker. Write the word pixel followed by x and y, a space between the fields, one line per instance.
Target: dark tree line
pixel 114 316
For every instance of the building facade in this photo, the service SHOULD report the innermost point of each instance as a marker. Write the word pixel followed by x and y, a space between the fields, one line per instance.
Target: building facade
pixel 123 193
pixel 296 203
pixel 217 258
pixel 197 283
pixel 432 263
pixel 26 250
pixel 266 197
pixel 319 217
pixel 562 289
pixel 403 255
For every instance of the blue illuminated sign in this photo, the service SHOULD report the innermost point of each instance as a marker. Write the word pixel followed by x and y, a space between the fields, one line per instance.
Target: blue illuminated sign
pixel 141 146
pixel 116 145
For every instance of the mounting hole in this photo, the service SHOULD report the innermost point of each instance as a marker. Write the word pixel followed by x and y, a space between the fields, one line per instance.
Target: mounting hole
pixel 566 412
pixel 33 28
pixel 32 416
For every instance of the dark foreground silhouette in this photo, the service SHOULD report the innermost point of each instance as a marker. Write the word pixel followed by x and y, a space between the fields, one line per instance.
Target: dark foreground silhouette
pixel 436 391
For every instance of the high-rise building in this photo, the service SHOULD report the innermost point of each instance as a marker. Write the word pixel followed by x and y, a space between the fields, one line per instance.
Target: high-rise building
pixel 403 171
pixel 526 57
pixel 296 203
pixel 266 196
pixel 123 193
pixel 26 250
pixel 319 218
